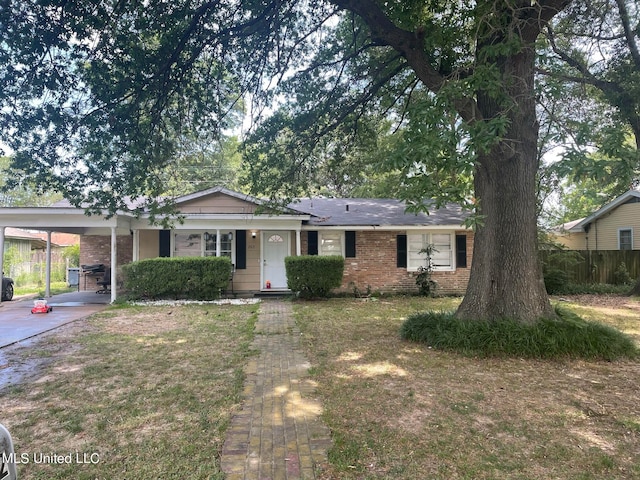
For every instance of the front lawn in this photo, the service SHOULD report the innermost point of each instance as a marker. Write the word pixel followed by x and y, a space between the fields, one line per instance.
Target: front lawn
pixel 147 392
pixel 400 410
pixel 139 393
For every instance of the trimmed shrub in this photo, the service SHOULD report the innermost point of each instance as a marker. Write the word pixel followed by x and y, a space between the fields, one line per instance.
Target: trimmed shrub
pixel 313 275
pixel 196 278
pixel 569 336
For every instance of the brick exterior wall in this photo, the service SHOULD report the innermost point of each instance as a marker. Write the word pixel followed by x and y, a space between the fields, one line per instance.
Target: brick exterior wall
pixel 97 249
pixel 375 266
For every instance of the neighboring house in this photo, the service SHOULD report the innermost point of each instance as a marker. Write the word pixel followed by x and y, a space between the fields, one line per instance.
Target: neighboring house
pixel 381 243
pixel 615 226
pixel 59 241
pixel 26 251
pixel 19 248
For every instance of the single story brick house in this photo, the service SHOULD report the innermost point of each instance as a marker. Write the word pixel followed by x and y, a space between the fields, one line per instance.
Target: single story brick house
pixel 379 240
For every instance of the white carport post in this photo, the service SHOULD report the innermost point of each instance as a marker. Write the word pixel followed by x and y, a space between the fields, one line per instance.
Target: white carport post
pixel 1 257
pixel 47 280
pixel 298 246
pixel 136 245
pixel 114 263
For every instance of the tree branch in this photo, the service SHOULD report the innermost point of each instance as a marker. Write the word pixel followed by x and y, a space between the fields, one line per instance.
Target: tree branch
pixel 628 32
pixel 411 46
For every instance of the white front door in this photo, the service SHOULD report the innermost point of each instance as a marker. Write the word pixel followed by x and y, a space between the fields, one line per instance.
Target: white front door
pixel 275 247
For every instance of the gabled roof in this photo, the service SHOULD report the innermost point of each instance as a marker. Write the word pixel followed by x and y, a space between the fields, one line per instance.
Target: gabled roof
pixel 633 195
pixel 566 227
pixel 222 190
pixel 19 234
pixel 60 239
pixel 375 212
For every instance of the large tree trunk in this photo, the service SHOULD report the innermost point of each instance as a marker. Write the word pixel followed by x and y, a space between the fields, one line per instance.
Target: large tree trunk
pixel 506 275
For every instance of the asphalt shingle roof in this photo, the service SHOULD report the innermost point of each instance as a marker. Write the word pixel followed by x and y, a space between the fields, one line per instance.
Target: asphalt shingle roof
pixel 374 212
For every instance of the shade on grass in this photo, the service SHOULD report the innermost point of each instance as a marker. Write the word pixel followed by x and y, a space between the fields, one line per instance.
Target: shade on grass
pixel 567 336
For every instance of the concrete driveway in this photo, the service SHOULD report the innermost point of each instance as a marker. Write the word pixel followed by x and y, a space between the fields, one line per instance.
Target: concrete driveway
pixel 17 323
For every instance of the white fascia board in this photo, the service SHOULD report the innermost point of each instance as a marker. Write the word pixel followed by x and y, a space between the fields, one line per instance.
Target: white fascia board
pixel 394 228
pixel 226 221
pixel 65 219
pixel 52 218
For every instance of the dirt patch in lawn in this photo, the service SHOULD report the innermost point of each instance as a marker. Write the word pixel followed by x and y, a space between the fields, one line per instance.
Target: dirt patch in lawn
pixel 610 301
pixel 145 322
pixel 25 361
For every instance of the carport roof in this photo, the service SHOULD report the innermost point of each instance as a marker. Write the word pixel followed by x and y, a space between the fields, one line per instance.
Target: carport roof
pixel 59 219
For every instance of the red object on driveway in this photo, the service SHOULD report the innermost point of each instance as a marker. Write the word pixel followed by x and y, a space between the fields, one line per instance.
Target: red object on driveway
pixel 40 306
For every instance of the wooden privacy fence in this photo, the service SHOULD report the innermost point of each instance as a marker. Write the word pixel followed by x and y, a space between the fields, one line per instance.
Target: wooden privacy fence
pixel 596 266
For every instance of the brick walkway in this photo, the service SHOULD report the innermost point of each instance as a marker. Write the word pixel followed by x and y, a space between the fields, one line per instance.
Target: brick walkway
pixel 278 434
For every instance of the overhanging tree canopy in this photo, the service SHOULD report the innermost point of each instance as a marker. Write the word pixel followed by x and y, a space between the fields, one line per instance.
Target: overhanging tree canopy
pixel 111 86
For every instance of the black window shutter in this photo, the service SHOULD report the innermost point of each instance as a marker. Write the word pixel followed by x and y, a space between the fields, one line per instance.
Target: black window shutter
pixel 401 248
pixel 461 251
pixel 164 237
pixel 350 244
pixel 241 249
pixel 312 242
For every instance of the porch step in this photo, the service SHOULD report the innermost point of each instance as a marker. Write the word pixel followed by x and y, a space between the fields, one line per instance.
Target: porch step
pixel 273 294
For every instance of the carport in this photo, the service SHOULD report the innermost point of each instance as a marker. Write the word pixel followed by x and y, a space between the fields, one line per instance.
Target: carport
pixel 67 220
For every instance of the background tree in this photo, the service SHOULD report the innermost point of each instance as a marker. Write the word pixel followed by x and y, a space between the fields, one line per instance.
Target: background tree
pixel 97 96
pixel 590 77
pixel 203 164
pixel 23 194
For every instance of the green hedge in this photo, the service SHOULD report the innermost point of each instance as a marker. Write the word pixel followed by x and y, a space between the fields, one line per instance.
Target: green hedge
pixel 313 275
pixel 196 278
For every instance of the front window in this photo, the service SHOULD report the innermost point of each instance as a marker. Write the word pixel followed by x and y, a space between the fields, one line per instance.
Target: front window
pixel 442 253
pixel 330 243
pixel 187 245
pixel 210 242
pixel 625 239
pixel 198 244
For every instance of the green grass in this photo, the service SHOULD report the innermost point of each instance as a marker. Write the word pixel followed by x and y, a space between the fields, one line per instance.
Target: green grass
pixel 147 390
pixel 567 336
pixel 56 288
pixel 402 410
